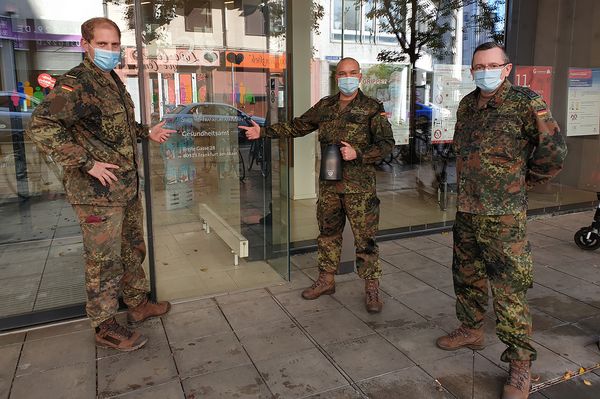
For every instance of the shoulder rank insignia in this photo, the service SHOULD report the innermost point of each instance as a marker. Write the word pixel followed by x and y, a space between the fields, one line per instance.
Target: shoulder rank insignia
pixel 527 91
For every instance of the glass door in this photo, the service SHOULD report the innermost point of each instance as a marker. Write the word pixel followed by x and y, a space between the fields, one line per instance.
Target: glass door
pixel 219 201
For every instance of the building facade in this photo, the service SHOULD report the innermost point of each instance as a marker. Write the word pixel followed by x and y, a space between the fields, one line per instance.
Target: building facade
pixel 222 213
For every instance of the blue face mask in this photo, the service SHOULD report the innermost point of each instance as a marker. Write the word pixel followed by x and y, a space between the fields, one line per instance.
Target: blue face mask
pixel 348 85
pixel 106 60
pixel 488 80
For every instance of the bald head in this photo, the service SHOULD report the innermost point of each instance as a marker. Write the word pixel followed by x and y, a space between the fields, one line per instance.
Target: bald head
pixel 348 62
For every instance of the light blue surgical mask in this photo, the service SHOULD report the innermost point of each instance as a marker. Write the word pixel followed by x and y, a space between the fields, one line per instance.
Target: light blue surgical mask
pixel 348 85
pixel 488 80
pixel 106 60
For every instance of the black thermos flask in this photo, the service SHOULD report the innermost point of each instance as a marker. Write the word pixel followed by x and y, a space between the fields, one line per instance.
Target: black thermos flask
pixel 331 162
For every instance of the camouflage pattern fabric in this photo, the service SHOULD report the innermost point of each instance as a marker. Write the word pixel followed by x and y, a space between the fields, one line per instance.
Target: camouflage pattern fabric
pixel 362 124
pixel 494 248
pixel 504 149
pixel 362 210
pixel 114 249
pixel 88 118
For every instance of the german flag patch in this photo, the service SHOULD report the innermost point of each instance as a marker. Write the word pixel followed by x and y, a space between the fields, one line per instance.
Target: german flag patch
pixel 542 112
pixel 67 88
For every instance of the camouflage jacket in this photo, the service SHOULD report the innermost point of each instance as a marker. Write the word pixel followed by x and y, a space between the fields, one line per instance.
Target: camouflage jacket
pixel 503 149
pixel 84 119
pixel 362 124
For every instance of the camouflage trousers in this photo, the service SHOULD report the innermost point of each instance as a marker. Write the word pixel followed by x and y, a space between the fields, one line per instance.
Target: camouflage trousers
pixel 494 249
pixel 114 249
pixel 362 210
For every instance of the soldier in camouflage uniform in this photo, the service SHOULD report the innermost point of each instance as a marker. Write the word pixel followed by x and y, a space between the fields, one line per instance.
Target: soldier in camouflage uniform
pixel 360 125
pixel 87 125
pixel 506 141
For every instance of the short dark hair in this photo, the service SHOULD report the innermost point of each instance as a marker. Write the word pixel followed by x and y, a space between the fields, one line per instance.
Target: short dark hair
pixel 87 28
pixel 489 46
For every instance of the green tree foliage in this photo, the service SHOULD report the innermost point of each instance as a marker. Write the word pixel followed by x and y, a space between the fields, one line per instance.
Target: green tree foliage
pixel 426 26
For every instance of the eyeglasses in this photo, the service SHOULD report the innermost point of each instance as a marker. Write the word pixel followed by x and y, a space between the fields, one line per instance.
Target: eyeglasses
pixel 480 67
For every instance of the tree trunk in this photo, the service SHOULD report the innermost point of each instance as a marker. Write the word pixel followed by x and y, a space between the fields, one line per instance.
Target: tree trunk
pixel 412 125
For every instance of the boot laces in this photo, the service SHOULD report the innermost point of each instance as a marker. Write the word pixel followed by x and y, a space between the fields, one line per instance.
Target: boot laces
pixel 372 292
pixel 320 281
pixel 460 331
pixel 518 376
pixel 119 330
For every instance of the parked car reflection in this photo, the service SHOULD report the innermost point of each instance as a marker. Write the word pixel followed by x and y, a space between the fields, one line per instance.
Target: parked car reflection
pixel 199 116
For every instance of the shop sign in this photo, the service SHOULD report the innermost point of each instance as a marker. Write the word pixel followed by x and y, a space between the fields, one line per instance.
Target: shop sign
pixel 41 31
pixel 46 81
pixel 537 78
pixel 168 59
pixel 272 61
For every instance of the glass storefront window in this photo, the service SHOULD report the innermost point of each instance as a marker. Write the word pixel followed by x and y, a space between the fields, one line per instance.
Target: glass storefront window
pixel 218 219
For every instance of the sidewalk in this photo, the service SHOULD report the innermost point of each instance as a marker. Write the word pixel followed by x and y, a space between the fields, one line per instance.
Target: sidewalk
pixel 270 343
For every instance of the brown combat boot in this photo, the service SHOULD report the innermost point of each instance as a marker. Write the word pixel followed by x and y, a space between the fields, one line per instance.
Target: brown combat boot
pixel 111 334
pixel 146 310
pixel 462 337
pixel 372 301
pixel 325 285
pixel 519 380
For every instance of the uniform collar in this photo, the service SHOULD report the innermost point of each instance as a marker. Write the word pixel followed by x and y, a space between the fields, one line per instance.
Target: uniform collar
pixel 99 74
pixel 359 97
pixel 498 98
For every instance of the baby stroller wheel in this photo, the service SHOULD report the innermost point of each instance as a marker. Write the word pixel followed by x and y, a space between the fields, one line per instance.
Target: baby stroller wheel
pixel 588 239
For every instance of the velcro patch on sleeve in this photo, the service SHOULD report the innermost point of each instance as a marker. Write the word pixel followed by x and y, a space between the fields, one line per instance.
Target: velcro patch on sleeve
pixel 67 88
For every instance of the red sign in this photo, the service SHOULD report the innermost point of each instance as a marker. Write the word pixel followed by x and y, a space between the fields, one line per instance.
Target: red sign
pixel 45 80
pixel 537 78
pixel 247 59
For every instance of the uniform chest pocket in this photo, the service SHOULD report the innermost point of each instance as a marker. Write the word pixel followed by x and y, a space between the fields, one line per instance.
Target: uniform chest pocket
pixel 114 121
pixel 502 138
pixel 356 129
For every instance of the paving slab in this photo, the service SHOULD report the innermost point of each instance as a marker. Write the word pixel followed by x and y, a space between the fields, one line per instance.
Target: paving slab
pixel 410 383
pixel 367 357
pixel 436 276
pixel 57 351
pixel 457 375
pixel 408 260
pixel 340 393
pixel 559 305
pixel 300 374
pixel 401 283
pixel 195 323
pixel 67 382
pixel 394 314
pixel 253 311
pixel 300 307
pixel 168 390
pixel 334 326
pixel 239 382
pixel 9 356
pixel 130 371
pixel 571 342
pixel 208 354
pixel 575 388
pixel 417 341
pixel 429 303
pixel 273 339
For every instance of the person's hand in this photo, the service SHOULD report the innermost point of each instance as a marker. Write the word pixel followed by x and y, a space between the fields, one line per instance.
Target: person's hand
pixel 252 132
pixel 101 171
pixel 348 153
pixel 159 134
